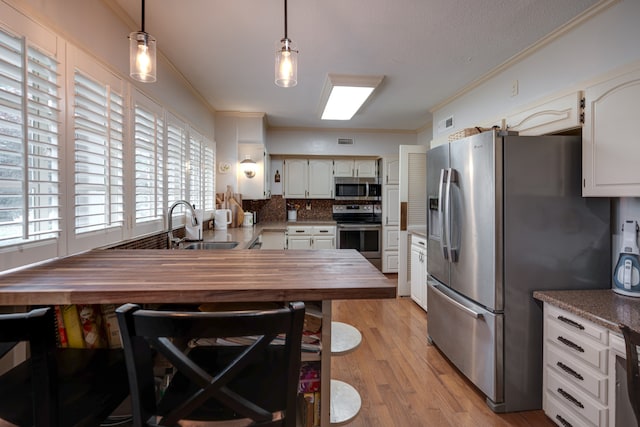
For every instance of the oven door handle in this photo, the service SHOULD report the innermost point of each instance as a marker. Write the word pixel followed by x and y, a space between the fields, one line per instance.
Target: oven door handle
pixel 359 225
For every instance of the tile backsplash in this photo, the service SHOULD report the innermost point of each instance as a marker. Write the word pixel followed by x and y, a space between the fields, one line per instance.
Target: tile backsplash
pixel 275 209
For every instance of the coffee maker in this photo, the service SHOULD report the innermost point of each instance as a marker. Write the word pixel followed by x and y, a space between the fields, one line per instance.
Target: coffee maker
pixel 626 275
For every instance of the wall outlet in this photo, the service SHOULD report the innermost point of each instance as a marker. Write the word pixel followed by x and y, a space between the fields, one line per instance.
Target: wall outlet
pixel 514 88
pixel 308 206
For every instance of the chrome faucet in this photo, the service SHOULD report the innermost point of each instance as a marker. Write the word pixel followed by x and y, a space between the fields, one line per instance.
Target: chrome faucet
pixel 194 221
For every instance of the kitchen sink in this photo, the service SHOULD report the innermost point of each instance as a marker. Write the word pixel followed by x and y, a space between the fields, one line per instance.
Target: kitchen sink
pixel 210 245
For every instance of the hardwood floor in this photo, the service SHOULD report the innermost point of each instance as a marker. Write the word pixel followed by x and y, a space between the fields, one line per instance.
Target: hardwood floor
pixel 405 382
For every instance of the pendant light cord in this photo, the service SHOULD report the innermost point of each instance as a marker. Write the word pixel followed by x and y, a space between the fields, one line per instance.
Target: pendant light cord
pixel 143 16
pixel 285 19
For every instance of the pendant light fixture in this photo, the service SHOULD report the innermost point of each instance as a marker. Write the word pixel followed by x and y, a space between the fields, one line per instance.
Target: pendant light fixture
pixel 286 59
pixel 142 55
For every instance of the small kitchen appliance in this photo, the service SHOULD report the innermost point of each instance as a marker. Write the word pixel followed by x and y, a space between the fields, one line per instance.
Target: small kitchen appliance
pixel 222 218
pixel 626 275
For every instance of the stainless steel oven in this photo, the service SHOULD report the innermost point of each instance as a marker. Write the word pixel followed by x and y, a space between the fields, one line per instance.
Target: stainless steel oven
pixel 359 227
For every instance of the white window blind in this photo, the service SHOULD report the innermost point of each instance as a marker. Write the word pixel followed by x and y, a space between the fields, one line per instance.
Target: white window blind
pixel 195 169
pixel 209 175
pixel 29 133
pixel 98 129
pixel 149 169
pixel 176 160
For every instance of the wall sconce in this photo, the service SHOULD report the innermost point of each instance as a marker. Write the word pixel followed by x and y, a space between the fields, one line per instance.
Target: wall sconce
pixel 249 167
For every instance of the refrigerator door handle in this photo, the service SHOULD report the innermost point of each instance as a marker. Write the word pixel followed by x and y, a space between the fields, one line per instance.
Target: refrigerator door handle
pixel 450 299
pixel 451 254
pixel 441 215
pixel 451 178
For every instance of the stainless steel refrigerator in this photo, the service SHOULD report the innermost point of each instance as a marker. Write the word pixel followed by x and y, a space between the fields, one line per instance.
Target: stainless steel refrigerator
pixel 505 218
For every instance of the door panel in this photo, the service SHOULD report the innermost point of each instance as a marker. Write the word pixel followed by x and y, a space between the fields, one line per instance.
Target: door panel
pixel 437 162
pixel 408 154
pixel 469 336
pixel 473 218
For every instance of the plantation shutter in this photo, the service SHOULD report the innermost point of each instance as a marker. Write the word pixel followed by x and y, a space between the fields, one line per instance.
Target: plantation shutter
pixel 29 134
pixel 98 129
pixel 149 169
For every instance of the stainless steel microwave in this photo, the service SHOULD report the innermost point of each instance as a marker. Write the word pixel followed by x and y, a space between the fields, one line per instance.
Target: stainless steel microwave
pixel 357 189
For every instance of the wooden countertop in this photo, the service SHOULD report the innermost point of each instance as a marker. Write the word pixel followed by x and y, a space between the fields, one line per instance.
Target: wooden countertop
pixel 180 276
pixel 601 306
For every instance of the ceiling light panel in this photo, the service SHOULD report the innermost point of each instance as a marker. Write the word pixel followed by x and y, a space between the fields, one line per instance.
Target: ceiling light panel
pixel 343 95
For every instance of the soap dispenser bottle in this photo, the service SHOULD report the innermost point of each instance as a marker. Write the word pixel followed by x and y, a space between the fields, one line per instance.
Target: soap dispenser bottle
pixel 626 275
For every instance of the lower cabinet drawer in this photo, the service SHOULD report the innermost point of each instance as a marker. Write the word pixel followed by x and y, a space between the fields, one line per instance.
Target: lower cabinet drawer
pixel 560 415
pixel 576 400
pixel 590 351
pixel 589 379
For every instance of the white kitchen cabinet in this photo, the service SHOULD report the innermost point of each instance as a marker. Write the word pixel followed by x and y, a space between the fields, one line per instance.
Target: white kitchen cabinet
pixel 419 270
pixel 361 168
pixel 391 170
pixel 295 178
pixel 610 149
pixel 311 237
pixel 391 205
pixel 390 248
pixel 390 213
pixel 256 188
pixel 575 373
pixel 324 237
pixel 343 168
pixel 552 116
pixel 366 168
pixel 308 179
pixel 273 240
pixel 320 179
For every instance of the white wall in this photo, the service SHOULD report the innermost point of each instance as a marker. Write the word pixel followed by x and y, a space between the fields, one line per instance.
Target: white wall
pixel 603 43
pixel 424 136
pixel 92 26
pixel 325 143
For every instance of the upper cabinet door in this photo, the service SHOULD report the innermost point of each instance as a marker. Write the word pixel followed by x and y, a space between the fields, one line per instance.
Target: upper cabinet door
pixel 553 116
pixel 366 168
pixel 610 138
pixel 320 179
pixel 391 166
pixel 295 178
pixel 342 168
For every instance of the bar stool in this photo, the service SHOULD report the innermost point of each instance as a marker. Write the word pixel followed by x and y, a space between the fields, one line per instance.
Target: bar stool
pixel 632 341
pixel 345 400
pixel 57 386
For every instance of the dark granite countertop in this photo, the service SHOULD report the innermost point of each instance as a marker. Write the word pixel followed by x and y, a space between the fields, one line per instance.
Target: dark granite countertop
pixel 602 306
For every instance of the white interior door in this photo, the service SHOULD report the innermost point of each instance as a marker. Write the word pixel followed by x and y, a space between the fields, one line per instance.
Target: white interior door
pixel 413 207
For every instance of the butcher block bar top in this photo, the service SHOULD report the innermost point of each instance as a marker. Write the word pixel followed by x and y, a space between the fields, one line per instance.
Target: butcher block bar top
pixel 187 276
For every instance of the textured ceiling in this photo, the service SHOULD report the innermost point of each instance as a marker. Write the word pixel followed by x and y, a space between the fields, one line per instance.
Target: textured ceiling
pixel 426 49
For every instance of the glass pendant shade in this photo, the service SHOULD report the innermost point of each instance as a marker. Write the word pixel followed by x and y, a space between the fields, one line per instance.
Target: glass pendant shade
pixel 142 57
pixel 286 64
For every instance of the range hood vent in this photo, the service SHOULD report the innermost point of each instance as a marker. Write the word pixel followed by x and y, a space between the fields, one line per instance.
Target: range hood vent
pixel 345 141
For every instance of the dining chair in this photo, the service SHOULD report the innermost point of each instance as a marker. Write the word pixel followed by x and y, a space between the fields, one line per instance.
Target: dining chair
pixel 57 386
pixel 225 365
pixel 632 341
